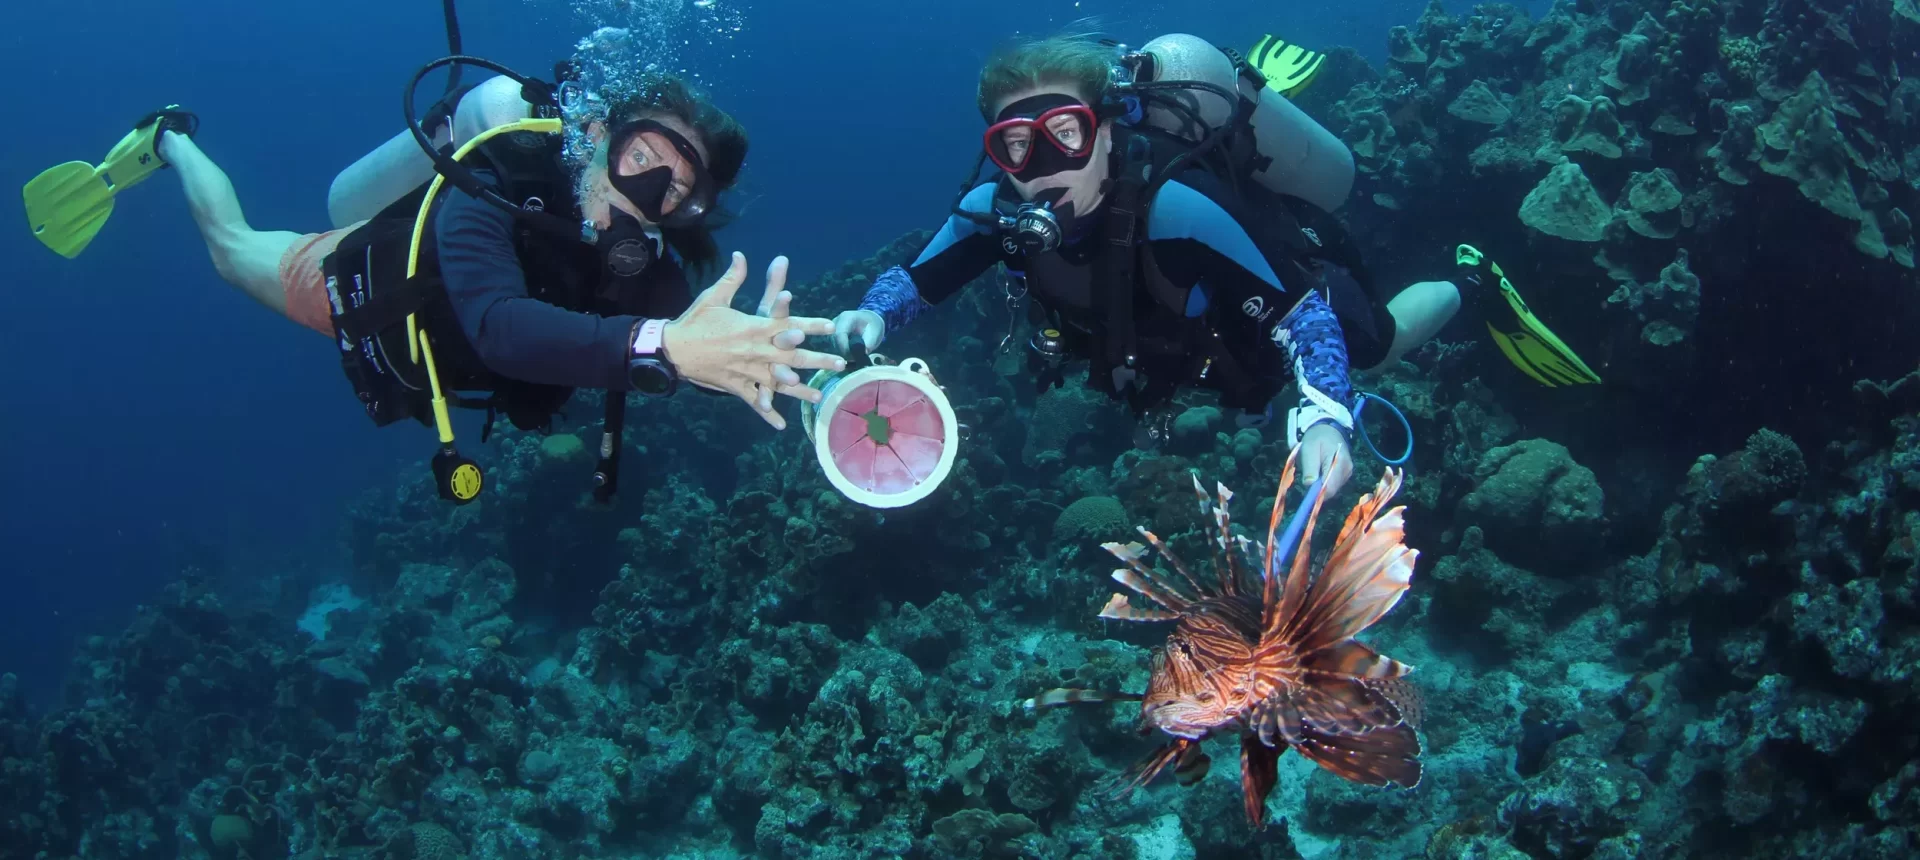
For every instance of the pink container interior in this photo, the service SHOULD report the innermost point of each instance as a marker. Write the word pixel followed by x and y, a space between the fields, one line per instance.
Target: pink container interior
pixel 916 437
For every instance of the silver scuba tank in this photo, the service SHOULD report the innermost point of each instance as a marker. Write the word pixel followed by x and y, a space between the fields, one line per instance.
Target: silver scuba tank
pixel 1307 161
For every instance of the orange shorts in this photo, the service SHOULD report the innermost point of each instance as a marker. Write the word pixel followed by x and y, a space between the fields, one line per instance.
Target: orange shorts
pixel 304 281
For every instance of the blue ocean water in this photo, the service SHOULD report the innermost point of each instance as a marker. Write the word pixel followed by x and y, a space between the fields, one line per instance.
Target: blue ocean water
pixel 157 418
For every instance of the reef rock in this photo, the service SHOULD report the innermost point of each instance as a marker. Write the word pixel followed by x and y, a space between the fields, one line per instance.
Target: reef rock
pixel 1668 307
pixel 1651 205
pixel 1401 48
pixel 1585 126
pixel 1372 137
pixel 1575 808
pixel 1478 103
pixel 1886 234
pixel 1535 503
pixel 1629 72
pixel 1667 123
pixel 1736 145
pixel 1565 204
pixel 1802 142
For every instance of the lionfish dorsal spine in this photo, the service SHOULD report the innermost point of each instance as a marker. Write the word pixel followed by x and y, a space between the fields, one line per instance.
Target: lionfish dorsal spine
pixel 1179 566
pixel 1118 608
pixel 1281 623
pixel 1143 579
pixel 1269 582
pixel 1226 562
pixel 1369 570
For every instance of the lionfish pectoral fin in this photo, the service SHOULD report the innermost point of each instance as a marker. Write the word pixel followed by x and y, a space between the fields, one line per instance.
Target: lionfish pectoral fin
pixel 1385 756
pixel 1192 765
pixel 1354 659
pixel 1070 696
pixel 1147 768
pixel 1259 772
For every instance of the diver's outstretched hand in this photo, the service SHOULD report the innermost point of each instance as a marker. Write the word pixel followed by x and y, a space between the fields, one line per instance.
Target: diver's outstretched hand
pixel 869 326
pixel 1323 447
pixel 776 303
pixel 751 356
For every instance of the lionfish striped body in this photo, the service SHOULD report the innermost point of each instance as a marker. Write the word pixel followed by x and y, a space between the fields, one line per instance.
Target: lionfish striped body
pixel 1271 655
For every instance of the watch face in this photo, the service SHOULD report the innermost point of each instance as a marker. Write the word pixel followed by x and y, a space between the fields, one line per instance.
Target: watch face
pixel 649 377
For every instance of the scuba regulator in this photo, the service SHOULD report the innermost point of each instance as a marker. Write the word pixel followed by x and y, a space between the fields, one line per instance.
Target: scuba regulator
pixel 1032 229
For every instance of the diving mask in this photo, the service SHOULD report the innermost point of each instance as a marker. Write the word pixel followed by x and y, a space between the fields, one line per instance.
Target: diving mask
pixel 664 198
pixel 1042 135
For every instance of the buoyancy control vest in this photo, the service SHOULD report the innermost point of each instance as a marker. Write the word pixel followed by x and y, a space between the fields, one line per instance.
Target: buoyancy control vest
pixel 1140 342
pixel 378 312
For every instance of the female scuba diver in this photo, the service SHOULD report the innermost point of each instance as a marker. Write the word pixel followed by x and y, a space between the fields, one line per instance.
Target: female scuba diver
pixel 556 262
pixel 1167 212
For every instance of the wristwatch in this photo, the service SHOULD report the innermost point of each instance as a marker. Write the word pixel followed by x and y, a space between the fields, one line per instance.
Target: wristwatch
pixel 648 367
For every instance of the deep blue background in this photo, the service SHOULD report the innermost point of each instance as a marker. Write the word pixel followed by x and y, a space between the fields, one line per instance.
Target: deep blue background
pixel 156 417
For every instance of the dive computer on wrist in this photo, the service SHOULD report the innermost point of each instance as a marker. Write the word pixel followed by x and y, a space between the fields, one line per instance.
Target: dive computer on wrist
pixel 648 369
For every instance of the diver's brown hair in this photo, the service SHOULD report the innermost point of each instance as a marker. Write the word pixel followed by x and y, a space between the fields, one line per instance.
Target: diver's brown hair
pixel 723 137
pixel 1079 61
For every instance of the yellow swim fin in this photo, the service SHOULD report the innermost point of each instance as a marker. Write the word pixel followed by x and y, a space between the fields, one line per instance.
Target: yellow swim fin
pixel 67 204
pixel 1288 67
pixel 1521 336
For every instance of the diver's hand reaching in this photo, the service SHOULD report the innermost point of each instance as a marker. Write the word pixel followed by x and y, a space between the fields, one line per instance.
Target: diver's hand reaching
pixel 750 356
pixel 1324 451
pixel 870 326
pixel 776 303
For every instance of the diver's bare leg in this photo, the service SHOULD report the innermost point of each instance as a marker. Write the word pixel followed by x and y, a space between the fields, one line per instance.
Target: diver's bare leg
pixel 244 257
pixel 1419 312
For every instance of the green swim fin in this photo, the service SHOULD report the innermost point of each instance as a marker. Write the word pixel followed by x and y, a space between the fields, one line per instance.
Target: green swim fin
pixel 67 204
pixel 1287 67
pixel 1521 336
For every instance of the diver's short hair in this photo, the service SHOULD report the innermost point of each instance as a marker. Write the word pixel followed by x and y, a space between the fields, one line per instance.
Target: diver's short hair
pixel 1078 60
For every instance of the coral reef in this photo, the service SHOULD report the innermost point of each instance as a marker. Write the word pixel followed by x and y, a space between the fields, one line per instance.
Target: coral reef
pixel 1677 615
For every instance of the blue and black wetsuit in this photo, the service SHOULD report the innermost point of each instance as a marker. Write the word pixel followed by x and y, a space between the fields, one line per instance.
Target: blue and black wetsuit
pixel 1230 274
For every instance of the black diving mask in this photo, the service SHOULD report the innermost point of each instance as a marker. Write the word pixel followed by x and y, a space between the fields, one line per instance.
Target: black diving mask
pixel 653 190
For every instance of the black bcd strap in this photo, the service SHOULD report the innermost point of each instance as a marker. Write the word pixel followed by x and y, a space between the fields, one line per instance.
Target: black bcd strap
pixel 1114 272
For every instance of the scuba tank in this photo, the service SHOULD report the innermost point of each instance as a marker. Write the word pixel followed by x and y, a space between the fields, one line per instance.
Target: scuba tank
pixel 1298 157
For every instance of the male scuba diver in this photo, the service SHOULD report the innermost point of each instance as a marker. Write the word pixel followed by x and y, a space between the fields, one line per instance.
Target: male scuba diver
pixel 1168 210
pixel 558 261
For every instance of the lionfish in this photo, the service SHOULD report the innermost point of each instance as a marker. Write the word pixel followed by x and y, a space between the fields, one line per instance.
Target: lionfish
pixel 1274 659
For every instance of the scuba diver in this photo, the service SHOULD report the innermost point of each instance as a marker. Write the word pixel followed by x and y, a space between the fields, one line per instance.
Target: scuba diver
pixel 1168 210
pixel 558 260
pixel 1149 256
